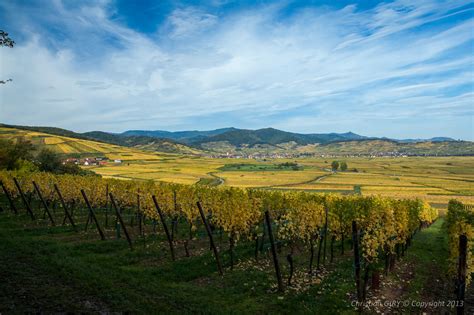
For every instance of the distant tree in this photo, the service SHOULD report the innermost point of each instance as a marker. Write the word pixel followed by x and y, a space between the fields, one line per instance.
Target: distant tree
pixel 7 42
pixel 26 166
pixel 343 166
pixel 48 161
pixel 19 155
pixel 13 152
pixel 335 165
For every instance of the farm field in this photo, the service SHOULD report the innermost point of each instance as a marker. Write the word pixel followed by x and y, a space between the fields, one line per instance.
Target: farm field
pixel 434 179
pixel 79 147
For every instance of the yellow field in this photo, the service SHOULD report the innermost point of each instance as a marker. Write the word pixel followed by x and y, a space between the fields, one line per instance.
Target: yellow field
pixel 435 179
pixel 68 145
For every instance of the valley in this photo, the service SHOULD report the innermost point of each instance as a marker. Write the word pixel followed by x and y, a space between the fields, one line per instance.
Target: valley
pixel 434 179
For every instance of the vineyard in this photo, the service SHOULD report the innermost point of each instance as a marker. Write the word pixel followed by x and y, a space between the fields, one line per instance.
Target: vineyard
pixel 301 231
pixel 460 226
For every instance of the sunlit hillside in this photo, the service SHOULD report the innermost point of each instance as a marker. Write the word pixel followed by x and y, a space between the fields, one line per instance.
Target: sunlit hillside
pixel 79 147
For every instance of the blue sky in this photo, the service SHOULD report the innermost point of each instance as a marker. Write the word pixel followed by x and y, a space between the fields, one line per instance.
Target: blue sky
pixel 402 69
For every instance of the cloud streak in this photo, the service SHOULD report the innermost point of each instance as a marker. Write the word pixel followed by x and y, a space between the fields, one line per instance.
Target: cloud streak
pixel 318 69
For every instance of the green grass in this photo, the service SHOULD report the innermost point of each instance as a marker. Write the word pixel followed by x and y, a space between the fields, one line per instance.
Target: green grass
pixel 261 167
pixel 209 181
pixel 429 259
pixel 422 274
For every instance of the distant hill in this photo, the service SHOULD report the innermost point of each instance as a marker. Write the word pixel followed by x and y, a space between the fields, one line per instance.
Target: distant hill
pixel 274 136
pixel 177 135
pixel 365 147
pixel 265 141
pixel 244 136
pixel 435 139
pixel 139 142
pixel 387 147
pixel 269 136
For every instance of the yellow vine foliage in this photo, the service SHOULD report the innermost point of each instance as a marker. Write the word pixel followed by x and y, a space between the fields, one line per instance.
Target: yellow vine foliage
pixel 460 221
pixel 299 216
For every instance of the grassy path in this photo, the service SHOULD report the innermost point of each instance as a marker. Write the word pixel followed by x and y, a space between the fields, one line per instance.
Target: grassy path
pixel 420 277
pixel 428 259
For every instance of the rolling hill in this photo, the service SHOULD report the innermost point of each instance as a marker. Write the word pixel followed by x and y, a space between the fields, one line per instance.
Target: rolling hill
pixel 267 141
pixel 138 142
pixel 273 136
pixel 177 135
pixel 75 147
pixel 244 136
pixel 347 148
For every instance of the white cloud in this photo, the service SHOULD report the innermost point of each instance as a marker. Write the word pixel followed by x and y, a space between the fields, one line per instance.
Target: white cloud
pixel 380 65
pixel 187 22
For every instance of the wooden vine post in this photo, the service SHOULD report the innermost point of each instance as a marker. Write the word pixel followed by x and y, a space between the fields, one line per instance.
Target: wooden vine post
pixel 139 214
pixel 462 271
pixel 92 214
pixel 106 205
pixel 23 197
pixel 117 224
pixel 10 200
pixel 63 203
pixel 274 252
pixel 311 258
pixel 119 216
pixel 211 239
pixel 355 240
pixel 46 208
pixel 27 204
pixel 165 227
pixel 321 236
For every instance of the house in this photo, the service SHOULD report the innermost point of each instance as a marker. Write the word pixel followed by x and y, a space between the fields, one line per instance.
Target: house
pixel 90 162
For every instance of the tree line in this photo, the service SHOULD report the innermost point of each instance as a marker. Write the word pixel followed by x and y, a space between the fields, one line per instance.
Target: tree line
pixel 21 155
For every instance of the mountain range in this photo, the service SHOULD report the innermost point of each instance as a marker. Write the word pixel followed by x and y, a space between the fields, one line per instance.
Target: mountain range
pixel 266 140
pixel 271 136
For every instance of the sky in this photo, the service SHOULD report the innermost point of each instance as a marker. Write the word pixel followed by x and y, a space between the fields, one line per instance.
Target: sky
pixel 400 69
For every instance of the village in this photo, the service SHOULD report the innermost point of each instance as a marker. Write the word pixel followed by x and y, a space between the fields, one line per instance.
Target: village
pixel 91 161
pixel 260 156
